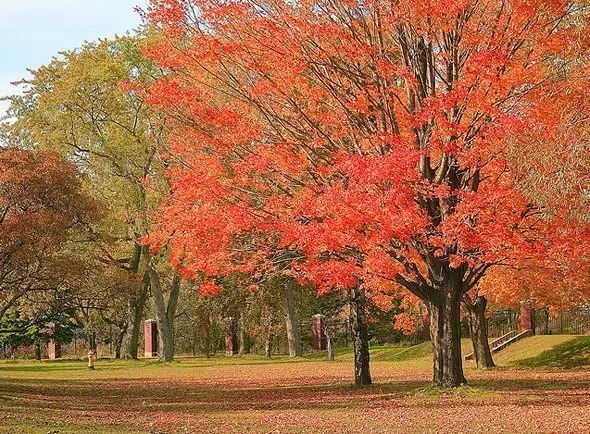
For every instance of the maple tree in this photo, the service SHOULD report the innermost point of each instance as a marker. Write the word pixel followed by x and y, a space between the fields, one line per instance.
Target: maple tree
pixel 371 140
pixel 556 284
pixel 553 283
pixel 556 179
pixel 43 209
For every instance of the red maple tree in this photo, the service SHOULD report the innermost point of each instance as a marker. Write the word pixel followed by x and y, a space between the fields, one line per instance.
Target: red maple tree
pixel 43 206
pixel 366 144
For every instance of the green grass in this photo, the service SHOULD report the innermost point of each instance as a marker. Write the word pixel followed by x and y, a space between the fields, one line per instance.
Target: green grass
pixel 530 347
pixel 573 353
pixel 463 392
pixel 552 351
pixel 114 368
pixel 401 354
pixel 380 354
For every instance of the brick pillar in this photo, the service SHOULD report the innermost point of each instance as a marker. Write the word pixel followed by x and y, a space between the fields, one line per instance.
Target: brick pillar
pixel 425 322
pixel 318 334
pixel 53 349
pixel 150 338
pixel 527 316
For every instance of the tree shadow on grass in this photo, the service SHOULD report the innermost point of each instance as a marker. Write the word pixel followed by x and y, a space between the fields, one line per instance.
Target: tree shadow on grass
pixel 571 354
pixel 129 405
pixel 193 397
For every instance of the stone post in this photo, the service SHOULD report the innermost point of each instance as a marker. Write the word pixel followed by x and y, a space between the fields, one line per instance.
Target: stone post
pixel 150 338
pixel 318 333
pixel 53 349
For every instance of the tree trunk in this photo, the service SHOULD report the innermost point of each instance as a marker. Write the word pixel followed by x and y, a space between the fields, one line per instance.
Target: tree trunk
pixel 165 315
pixel 291 320
pixel 207 344
pixel 479 332
pixel 165 333
pixel 330 346
pixel 268 341
pixel 445 333
pixel 119 342
pixel 38 349
pixel 547 321
pixel 243 347
pixel 268 347
pixel 92 341
pixel 360 337
pixel 136 308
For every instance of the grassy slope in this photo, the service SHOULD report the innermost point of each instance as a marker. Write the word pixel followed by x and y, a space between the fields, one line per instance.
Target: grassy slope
pixel 551 351
pixel 561 352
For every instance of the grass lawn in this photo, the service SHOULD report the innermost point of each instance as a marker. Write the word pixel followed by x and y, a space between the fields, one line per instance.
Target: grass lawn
pixel 542 385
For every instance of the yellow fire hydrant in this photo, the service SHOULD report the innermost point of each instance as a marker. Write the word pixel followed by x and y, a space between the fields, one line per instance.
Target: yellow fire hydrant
pixel 91 359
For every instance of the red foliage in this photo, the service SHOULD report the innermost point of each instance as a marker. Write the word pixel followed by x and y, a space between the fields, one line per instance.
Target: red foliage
pixel 210 288
pixel 41 203
pixel 374 141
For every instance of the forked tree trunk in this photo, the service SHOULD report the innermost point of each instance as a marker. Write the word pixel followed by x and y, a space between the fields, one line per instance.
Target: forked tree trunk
pixel 136 309
pixel 360 337
pixel 291 320
pixel 445 333
pixel 165 314
pixel 479 332
pixel 166 340
pixel 119 342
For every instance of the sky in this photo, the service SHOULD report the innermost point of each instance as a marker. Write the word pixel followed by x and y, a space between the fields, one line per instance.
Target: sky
pixel 33 31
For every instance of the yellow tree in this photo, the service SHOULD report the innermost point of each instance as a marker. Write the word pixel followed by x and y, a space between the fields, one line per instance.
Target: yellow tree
pixel 78 106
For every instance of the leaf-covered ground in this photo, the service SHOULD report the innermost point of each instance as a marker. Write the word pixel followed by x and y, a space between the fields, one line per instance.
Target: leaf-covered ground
pixel 543 385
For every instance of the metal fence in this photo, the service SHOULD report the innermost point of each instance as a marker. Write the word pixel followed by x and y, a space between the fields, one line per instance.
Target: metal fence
pixel 574 321
pixel 567 322
pixel 502 322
